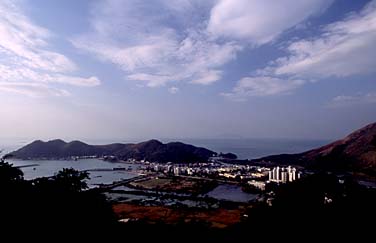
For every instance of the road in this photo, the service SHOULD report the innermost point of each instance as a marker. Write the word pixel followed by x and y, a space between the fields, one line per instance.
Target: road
pixel 123 182
pixel 208 179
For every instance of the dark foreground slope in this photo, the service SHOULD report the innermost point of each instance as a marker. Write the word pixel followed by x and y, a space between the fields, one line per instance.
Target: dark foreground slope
pixel 62 206
pixel 356 152
pixel 152 150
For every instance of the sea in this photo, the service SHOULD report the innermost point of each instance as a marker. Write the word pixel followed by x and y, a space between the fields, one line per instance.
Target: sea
pixel 252 148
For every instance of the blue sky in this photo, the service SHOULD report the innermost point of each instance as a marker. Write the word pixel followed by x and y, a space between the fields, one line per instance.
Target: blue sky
pixel 126 69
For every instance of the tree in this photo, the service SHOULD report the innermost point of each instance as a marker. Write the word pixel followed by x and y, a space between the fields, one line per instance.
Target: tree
pixel 72 180
pixel 9 174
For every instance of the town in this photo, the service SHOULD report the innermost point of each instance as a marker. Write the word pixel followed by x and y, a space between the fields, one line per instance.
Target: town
pixel 255 176
pixel 227 191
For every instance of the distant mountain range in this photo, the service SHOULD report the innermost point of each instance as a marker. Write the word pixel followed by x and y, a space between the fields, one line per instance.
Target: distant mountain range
pixel 152 150
pixel 356 152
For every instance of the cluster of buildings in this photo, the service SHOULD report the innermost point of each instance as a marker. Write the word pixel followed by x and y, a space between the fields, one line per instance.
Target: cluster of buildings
pixel 194 169
pixel 257 184
pixel 277 175
pixel 254 175
pixel 225 171
pixel 283 174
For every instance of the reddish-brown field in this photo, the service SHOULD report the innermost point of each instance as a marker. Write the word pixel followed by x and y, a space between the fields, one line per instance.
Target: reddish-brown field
pixel 219 218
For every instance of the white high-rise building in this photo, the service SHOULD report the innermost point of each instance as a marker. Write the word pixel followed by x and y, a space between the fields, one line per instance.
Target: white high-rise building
pixel 284 176
pixel 281 174
pixel 293 172
pixel 288 169
pixel 277 170
pixel 176 170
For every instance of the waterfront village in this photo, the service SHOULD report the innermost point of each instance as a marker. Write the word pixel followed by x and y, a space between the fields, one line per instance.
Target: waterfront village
pixel 255 176
pixel 178 192
pixel 220 192
pixel 215 169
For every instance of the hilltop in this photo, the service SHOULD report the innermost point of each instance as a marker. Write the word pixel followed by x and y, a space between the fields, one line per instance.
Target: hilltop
pixel 152 150
pixel 355 152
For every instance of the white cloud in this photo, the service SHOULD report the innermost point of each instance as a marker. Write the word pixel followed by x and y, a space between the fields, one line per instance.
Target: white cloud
pixel 262 86
pixel 76 81
pixel 173 90
pixel 20 74
pixel 26 56
pixel 208 77
pixel 167 41
pixel 344 48
pixel 34 90
pixel 149 54
pixel 350 100
pixel 27 43
pixel 260 22
pixel 150 79
pixel 156 47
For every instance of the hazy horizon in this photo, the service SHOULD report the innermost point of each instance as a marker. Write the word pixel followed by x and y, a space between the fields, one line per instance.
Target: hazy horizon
pixel 162 139
pixel 244 148
pixel 116 69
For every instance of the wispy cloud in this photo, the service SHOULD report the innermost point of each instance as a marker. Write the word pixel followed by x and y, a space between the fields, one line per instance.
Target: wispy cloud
pixel 149 48
pixel 351 100
pixel 20 74
pixel 207 77
pixel 26 56
pixel 34 90
pixel 26 42
pixel 262 86
pixel 342 49
pixel 168 41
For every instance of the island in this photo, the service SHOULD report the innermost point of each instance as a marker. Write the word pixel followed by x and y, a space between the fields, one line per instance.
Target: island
pixel 152 150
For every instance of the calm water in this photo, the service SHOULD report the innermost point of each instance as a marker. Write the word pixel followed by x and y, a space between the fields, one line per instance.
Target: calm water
pixel 42 168
pixel 222 192
pixel 256 148
pixel 231 193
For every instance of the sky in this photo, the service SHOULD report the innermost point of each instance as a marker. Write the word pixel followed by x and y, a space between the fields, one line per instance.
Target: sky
pixel 123 69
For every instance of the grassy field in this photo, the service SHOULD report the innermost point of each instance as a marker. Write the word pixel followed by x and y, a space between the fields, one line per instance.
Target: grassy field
pixel 175 184
pixel 152 183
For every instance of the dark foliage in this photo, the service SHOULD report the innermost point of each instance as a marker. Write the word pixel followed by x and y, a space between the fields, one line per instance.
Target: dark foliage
pixel 59 202
pixel 316 205
pixel 228 155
